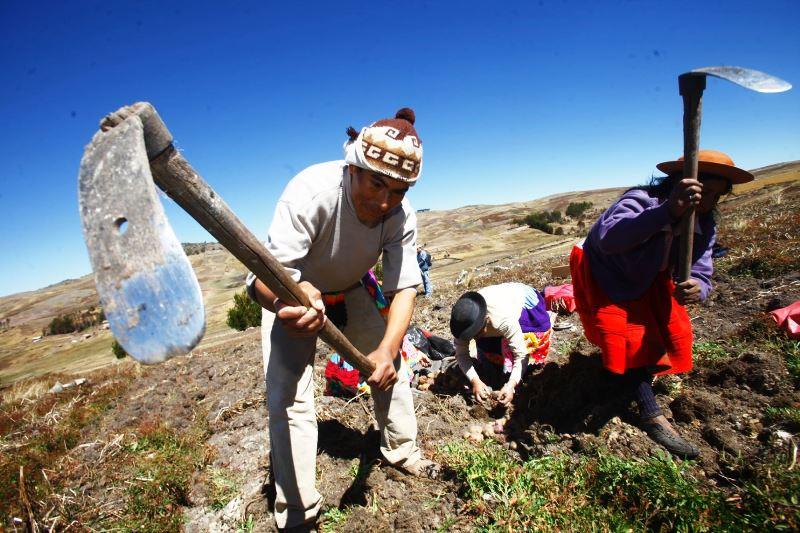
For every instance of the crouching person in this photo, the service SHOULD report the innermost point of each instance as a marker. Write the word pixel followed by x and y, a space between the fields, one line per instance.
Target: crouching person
pixel 330 225
pixel 511 328
pixel 624 278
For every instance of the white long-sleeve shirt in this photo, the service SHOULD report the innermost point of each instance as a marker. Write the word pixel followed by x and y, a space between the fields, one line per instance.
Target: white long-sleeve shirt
pixel 504 303
pixel 317 236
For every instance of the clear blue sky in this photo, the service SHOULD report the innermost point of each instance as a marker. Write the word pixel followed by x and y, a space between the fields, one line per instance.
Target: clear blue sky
pixel 513 101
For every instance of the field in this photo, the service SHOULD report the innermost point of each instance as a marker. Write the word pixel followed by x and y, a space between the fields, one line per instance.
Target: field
pixel 184 444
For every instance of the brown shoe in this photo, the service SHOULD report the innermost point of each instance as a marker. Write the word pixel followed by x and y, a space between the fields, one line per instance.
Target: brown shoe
pixel 661 431
pixel 423 468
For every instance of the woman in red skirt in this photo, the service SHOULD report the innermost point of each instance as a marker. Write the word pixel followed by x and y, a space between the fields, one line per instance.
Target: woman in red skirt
pixel 624 279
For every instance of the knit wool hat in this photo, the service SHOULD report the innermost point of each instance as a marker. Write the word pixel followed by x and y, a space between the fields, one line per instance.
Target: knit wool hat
pixel 390 147
pixel 468 316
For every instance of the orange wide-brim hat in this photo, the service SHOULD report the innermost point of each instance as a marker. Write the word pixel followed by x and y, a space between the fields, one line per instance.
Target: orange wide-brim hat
pixel 710 162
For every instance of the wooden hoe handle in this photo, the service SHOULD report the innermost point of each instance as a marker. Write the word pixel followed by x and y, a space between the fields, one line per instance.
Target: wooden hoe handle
pixel 176 177
pixel 691 87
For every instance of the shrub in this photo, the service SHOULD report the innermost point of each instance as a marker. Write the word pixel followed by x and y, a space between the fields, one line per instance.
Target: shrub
pixel 576 209
pixel 541 220
pixel 73 322
pixel 245 313
pixel 61 324
pixel 119 351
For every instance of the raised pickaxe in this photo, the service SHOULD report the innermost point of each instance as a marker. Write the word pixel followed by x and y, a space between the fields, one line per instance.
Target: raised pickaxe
pixel 148 290
pixel 691 85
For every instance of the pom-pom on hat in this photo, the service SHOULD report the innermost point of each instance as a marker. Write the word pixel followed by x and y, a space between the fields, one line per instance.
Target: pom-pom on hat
pixel 710 162
pixel 468 316
pixel 390 147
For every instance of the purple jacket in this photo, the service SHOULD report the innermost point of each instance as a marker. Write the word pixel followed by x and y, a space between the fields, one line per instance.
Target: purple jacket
pixel 627 244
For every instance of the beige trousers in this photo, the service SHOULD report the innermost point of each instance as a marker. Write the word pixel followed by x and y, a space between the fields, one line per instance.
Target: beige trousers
pixel 288 365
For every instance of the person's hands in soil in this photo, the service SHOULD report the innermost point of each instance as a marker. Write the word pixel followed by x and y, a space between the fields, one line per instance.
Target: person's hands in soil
pixel 686 193
pixel 299 320
pixel 688 292
pixel 385 375
pixel 506 394
pixel 480 390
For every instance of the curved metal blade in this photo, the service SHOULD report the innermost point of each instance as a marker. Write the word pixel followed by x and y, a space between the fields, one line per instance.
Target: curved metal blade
pixel 147 287
pixel 754 80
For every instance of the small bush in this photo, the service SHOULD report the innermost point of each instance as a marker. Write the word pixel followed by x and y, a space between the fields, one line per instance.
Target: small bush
pixel 74 322
pixel 119 351
pixel 245 313
pixel 541 220
pixel 576 209
pixel 61 324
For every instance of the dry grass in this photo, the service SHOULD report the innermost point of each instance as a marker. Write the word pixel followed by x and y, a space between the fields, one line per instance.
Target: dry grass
pixel 785 176
pixel 38 436
pixel 59 469
pixel 26 390
pixel 764 241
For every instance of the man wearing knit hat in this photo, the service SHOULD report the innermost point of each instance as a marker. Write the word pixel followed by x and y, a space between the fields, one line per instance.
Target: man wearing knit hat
pixel 330 225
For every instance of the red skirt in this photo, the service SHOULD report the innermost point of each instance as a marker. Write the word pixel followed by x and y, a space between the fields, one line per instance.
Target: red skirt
pixel 652 331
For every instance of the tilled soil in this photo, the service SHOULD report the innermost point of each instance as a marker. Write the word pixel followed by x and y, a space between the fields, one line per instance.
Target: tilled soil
pixel 563 407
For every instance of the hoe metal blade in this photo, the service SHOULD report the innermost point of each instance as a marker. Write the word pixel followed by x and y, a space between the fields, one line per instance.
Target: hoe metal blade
pixel 147 287
pixel 754 80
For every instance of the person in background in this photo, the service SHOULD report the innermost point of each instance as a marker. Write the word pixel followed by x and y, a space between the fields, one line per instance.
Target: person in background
pixel 512 329
pixel 424 260
pixel 624 276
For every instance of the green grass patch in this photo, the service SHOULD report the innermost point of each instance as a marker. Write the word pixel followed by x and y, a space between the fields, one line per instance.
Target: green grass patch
pixel 333 519
pixel 785 416
pixel 567 347
pixel 360 470
pixel 248 525
pixel 605 492
pixel 709 351
pixel 158 467
pixel 223 487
